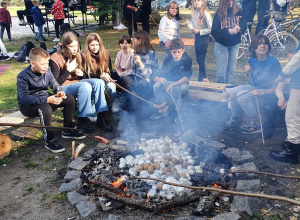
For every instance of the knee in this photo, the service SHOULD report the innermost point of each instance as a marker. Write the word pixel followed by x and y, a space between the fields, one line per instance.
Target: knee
pixel 85 88
pixel 157 86
pixel 45 110
pixel 183 88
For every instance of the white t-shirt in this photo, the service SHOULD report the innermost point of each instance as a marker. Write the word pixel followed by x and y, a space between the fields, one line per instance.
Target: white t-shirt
pixel 168 29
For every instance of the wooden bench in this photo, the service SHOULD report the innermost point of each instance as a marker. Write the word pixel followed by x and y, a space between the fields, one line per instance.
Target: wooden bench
pixel 207 91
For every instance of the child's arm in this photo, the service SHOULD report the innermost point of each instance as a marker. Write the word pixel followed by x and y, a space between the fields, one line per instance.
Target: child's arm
pixel 53 84
pixel 161 28
pixel 183 80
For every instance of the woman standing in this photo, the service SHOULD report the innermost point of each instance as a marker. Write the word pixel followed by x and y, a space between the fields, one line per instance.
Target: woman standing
pixel 58 11
pixel 128 14
pixel 66 66
pixel 227 28
pixel 97 64
pixel 200 25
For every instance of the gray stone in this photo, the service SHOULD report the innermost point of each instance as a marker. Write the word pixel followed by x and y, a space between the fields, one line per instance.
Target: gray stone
pixel 237 156
pixel 149 135
pixel 190 218
pixel 75 198
pixel 227 216
pixel 101 146
pixel 247 204
pixel 86 208
pixel 215 145
pixel 78 164
pixel 187 135
pixel 71 186
pixel 113 217
pixel 121 142
pixel 89 153
pixel 72 175
pixel 117 147
pixel 247 166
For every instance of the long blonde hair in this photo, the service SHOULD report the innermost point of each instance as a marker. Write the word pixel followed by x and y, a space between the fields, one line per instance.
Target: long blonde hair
pixel 101 56
pixel 222 9
pixel 68 38
pixel 202 11
pixel 177 17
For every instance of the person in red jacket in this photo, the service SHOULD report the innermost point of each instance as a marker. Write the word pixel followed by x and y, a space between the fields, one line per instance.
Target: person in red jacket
pixel 58 11
pixel 5 21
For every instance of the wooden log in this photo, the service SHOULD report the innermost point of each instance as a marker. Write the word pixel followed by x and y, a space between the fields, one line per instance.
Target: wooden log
pixel 206 95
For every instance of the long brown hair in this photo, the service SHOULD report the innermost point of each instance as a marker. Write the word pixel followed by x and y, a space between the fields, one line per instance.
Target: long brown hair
pixel 222 9
pixel 100 57
pixel 202 11
pixel 68 38
pixel 177 17
pixel 144 47
pixel 256 41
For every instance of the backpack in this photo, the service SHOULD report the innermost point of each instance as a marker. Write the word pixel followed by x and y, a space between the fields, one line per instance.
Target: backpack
pixel 21 54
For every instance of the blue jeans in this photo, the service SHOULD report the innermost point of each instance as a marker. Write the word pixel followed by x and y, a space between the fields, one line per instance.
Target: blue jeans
pixel 243 103
pixel 226 59
pixel 40 33
pixel 90 96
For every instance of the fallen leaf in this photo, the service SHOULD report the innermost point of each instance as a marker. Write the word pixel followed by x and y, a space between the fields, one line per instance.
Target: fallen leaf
pixel 16 197
pixel 56 157
pixel 263 210
pixel 292 172
pixel 54 169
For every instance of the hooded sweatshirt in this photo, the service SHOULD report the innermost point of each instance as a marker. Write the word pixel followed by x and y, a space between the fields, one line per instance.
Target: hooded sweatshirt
pixel 37 16
pixel 5 16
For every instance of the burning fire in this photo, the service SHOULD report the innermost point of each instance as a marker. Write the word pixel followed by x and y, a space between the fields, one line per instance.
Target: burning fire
pixel 216 186
pixel 119 182
pixel 147 197
pixel 169 210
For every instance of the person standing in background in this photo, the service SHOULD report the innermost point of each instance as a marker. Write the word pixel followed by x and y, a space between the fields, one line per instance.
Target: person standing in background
pixel 58 11
pixel 26 12
pixel 5 21
pixel 200 25
pixel 38 20
pixel 128 13
pixel 146 11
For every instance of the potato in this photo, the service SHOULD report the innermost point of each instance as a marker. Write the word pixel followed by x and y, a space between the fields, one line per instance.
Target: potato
pixel 151 169
pixel 151 158
pixel 180 160
pixel 156 166
pixel 166 170
pixel 173 169
pixel 139 168
pixel 146 166
pixel 175 161
pixel 168 157
pixel 182 175
pixel 168 174
pixel 176 175
pixel 185 164
pixel 159 186
pixel 166 162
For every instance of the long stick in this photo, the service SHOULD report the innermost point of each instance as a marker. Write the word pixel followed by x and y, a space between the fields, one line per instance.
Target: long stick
pixel 256 195
pixel 177 110
pixel 131 93
pixel 267 174
pixel 259 115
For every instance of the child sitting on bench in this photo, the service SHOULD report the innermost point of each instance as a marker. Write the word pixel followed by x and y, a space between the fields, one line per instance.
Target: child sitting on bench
pixel 33 98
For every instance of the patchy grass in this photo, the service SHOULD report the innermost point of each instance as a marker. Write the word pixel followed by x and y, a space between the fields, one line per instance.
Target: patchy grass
pixel 31 165
pixel 5 161
pixel 49 158
pixel 44 195
pixel 46 168
pixel 29 189
pixel 59 197
pixel 38 184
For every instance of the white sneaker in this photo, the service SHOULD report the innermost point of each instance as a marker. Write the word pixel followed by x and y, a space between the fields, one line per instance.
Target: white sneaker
pixel 56 39
pixel 115 106
pixel 93 119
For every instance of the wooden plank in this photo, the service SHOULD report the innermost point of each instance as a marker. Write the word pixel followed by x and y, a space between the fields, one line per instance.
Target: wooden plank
pixel 206 85
pixel 16 117
pixel 206 95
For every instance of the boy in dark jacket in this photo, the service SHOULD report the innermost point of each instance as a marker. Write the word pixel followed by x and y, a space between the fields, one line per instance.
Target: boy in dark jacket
pixel 39 21
pixel 5 21
pixel 174 76
pixel 33 98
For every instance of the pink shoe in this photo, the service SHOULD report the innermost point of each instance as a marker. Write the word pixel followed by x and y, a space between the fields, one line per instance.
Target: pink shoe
pixel 205 80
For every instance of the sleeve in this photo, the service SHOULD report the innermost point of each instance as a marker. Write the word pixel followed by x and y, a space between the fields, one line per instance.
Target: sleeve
pixel 9 18
pixel 117 64
pixel 292 66
pixel 40 16
pixel 110 65
pixel 187 66
pixel 161 28
pixel 275 69
pixel 53 9
pixel 178 29
pixel 60 77
pixel 242 22
pixel 24 94
pixel 208 20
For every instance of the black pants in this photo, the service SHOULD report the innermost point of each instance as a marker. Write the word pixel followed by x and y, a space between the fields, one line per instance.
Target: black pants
pixel 145 22
pixel 44 111
pixel 201 44
pixel 57 24
pixel 30 45
pixel 129 22
pixel 21 15
pixel 4 26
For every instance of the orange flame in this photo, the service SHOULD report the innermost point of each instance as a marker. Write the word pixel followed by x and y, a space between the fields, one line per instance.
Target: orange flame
pixel 118 183
pixel 216 186
pixel 147 198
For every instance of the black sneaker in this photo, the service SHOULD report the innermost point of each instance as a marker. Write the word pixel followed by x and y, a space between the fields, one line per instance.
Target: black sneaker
pixel 73 135
pixel 54 146
pixel 84 125
pixel 232 123
pixel 44 40
pixel 36 41
pixel 250 128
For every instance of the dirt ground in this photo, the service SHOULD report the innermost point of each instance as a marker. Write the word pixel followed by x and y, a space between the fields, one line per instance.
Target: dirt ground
pixel 31 175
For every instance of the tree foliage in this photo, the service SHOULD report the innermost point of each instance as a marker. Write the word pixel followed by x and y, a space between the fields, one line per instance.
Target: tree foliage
pixel 105 8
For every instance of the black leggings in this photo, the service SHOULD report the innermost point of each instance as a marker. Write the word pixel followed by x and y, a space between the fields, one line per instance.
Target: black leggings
pixel 57 24
pixel 201 44
pixel 44 111
pixel 129 22
pixel 3 27
pixel 30 45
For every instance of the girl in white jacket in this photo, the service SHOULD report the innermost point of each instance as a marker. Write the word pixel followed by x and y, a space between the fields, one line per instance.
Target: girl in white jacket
pixel 169 27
